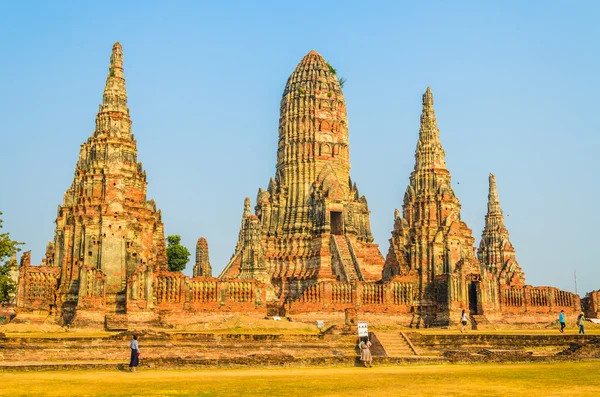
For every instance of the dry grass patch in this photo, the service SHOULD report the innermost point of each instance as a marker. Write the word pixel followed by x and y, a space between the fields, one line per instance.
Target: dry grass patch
pixel 548 379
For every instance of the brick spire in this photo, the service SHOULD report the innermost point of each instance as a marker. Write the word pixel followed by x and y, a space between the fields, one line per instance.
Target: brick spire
pixel 494 217
pixel 496 252
pixel 105 222
pixel 426 239
pixel 113 114
pixel 429 153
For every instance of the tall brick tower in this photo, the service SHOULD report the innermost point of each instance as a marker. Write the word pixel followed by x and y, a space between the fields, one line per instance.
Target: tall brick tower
pixel 311 223
pixel 430 243
pixel 496 252
pixel 106 229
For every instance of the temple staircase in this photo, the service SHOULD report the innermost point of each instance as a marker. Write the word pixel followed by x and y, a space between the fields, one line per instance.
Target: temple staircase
pixel 345 255
pixel 396 344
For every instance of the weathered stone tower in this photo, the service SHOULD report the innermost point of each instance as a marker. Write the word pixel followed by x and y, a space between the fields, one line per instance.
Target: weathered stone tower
pixel 311 223
pixel 496 253
pixel 106 229
pixel 202 267
pixel 430 243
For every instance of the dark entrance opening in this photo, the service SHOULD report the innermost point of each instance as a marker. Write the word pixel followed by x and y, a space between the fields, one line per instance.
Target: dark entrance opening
pixel 473 298
pixel 336 223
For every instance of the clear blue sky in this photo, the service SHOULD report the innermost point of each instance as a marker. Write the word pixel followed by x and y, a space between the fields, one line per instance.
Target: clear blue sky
pixel 515 85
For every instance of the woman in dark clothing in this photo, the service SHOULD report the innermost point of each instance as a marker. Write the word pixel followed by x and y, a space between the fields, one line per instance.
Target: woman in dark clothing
pixel 135 354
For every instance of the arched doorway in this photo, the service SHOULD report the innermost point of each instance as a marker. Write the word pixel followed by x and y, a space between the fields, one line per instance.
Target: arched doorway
pixel 337 226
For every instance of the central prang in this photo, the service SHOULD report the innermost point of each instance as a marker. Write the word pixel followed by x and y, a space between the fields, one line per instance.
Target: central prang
pixel 310 224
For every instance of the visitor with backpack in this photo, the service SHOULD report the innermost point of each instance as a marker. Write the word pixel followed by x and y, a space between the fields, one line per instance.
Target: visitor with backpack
pixel 581 323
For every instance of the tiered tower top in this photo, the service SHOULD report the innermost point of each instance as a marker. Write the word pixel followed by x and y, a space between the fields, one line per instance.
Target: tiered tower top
pixel 313 126
pixel 113 116
pixel 429 153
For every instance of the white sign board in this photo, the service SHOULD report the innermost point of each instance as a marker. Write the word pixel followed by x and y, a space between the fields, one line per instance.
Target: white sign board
pixel 363 329
pixel 320 324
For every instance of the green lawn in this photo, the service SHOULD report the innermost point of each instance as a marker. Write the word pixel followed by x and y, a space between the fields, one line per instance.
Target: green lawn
pixel 539 379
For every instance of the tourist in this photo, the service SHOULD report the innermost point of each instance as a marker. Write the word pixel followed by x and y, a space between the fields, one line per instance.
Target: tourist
pixel 135 354
pixel 581 322
pixel 365 352
pixel 463 321
pixel 561 320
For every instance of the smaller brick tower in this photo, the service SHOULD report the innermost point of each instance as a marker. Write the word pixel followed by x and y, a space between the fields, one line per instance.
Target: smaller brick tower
pixel 202 267
pixel 495 251
pixel 430 244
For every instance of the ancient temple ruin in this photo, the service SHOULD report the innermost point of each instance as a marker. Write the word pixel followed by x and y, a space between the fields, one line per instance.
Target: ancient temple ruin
pixel 311 224
pixel 305 248
pixel 108 261
pixel 106 230
pixel 433 249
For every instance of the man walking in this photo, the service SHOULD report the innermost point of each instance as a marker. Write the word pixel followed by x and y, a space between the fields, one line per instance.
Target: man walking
pixel 561 320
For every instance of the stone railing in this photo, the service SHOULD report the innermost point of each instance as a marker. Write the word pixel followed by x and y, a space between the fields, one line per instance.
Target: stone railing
pixel 402 293
pixel 202 290
pixel 564 298
pixel 37 287
pixel 341 293
pixel 538 299
pixel 168 287
pixel 174 291
pixel 513 297
pixel 372 294
pixel 395 296
pixel 240 291
pixel 311 294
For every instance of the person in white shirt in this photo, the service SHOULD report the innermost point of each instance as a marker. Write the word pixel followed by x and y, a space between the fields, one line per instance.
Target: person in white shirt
pixel 463 321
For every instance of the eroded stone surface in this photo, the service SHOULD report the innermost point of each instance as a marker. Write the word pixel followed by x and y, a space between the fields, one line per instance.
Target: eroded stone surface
pixel 307 248
pixel 311 224
pixel 432 250
pixel 202 267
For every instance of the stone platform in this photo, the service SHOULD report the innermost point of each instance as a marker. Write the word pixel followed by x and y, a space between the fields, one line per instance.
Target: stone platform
pixel 188 350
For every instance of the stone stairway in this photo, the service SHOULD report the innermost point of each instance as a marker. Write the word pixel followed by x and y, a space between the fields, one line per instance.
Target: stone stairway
pixel 395 344
pixel 346 257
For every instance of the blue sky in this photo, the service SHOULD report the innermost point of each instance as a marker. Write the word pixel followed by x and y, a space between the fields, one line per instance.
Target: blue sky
pixel 515 85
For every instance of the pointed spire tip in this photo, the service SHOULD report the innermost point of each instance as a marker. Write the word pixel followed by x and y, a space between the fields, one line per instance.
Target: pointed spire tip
pixel 428 97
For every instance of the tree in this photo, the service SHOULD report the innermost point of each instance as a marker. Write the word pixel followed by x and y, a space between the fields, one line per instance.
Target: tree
pixel 178 256
pixel 8 248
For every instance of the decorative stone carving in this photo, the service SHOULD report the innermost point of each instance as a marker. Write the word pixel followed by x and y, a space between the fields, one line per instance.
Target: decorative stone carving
pixel 105 228
pixel 310 224
pixel 430 244
pixel 495 251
